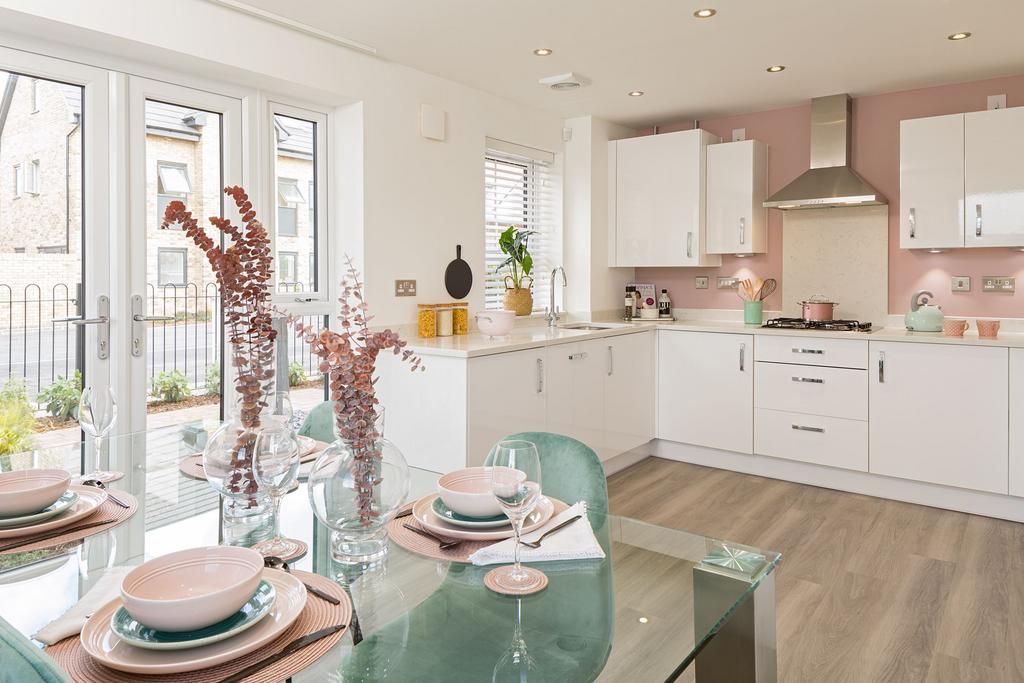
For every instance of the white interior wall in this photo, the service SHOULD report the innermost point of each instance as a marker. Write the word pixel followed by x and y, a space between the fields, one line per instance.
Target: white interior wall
pixel 419 197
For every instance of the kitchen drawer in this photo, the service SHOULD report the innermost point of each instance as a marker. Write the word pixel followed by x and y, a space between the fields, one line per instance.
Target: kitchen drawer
pixel 806 350
pixel 828 441
pixel 833 392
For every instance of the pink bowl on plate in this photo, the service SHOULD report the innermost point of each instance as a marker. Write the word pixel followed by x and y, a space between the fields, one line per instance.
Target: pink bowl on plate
pixel 24 492
pixel 191 589
pixel 468 492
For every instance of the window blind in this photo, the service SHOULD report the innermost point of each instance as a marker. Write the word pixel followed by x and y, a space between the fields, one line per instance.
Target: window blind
pixel 524 192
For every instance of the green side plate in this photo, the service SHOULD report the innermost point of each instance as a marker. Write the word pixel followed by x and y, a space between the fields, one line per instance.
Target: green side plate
pixel 60 505
pixel 137 635
pixel 452 517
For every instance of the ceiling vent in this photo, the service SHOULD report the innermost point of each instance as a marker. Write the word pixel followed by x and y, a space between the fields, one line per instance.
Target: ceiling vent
pixel 568 81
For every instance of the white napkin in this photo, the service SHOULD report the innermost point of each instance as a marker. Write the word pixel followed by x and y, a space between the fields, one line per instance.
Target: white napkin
pixel 574 542
pixel 106 588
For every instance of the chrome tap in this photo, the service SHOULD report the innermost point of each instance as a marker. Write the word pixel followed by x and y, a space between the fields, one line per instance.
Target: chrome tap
pixel 551 312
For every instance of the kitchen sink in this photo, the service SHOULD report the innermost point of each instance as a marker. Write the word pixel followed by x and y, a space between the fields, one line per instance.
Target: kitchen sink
pixel 592 326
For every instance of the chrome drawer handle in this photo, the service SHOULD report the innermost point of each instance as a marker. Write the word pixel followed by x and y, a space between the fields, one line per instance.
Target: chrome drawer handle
pixel 743 231
pixel 912 219
pixel 977 220
pixel 804 428
pixel 817 351
pixel 540 376
pixel 689 245
pixel 743 354
pixel 812 380
pixel 881 367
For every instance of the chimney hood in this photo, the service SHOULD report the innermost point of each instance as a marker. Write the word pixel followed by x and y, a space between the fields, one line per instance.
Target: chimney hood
pixel 830 182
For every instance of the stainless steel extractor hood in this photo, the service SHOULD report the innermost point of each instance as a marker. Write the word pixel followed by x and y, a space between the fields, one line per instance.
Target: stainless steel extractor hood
pixel 830 182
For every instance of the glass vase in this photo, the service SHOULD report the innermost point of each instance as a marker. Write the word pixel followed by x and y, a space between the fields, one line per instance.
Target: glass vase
pixel 355 491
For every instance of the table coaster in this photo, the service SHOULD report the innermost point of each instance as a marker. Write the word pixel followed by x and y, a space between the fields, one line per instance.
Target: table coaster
pixel 110 511
pixel 317 614
pixel 191 467
pixel 494 580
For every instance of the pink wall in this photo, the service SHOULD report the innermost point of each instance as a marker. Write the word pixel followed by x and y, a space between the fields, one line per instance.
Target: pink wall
pixel 875 156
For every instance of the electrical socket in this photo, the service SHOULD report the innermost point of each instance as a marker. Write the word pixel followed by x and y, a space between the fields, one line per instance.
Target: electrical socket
pixel 700 282
pixel 960 283
pixel 728 282
pixel 405 288
pixel 997 101
pixel 995 283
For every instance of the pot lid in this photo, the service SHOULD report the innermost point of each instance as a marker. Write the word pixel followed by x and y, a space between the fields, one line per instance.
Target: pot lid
pixel 818 299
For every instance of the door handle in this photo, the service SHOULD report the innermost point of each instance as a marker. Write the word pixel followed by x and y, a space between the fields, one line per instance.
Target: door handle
pixel 805 428
pixel 743 353
pixel 611 361
pixel 743 231
pixel 977 220
pixel 102 319
pixel 139 320
pixel 540 376
pixel 689 245
pixel 912 221
pixel 811 380
pixel 881 367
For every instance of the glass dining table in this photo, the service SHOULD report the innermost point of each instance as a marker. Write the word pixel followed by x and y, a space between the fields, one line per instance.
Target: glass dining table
pixel 663 605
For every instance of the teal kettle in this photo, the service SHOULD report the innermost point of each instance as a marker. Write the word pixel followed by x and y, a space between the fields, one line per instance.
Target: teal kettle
pixel 923 316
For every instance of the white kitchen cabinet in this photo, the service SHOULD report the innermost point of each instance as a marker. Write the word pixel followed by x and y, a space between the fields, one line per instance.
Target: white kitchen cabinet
pixel 506 394
pixel 932 182
pixel 575 375
pixel 628 392
pixel 706 390
pixel 656 200
pixel 939 414
pixel 994 177
pixel 737 177
pixel 1017 422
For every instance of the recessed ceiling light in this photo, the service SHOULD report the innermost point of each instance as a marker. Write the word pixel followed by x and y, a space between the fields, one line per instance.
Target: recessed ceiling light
pixel 643 620
pixel 776 68
pixel 959 36
pixel 705 13
pixel 635 93
pixel 542 51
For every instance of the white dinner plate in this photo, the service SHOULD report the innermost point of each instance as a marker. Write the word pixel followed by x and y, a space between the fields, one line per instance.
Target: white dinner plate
pixel 60 505
pixel 424 514
pixel 309 448
pixel 89 500
pixel 106 648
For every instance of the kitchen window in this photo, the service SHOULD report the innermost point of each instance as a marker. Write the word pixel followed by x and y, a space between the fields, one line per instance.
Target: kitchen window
pixel 172 183
pixel 171 267
pixel 521 188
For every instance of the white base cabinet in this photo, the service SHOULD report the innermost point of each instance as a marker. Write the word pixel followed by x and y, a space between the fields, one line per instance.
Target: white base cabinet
pixel 706 389
pixel 1017 422
pixel 939 414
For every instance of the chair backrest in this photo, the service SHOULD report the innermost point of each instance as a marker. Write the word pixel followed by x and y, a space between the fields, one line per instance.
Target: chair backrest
pixel 570 468
pixel 319 423
pixel 23 662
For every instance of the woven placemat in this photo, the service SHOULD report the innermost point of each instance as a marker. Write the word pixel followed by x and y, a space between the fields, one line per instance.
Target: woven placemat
pixel 421 545
pixel 317 614
pixel 192 468
pixel 108 511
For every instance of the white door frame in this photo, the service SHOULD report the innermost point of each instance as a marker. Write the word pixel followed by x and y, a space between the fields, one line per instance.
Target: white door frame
pixel 130 238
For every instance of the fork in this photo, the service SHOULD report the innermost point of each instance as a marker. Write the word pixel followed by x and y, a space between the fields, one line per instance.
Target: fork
pixel 443 543
pixel 536 544
pixel 96 483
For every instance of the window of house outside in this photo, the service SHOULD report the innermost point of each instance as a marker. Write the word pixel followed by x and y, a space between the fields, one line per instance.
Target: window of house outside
pixel 172 183
pixel 171 267
pixel 287 270
pixel 19 180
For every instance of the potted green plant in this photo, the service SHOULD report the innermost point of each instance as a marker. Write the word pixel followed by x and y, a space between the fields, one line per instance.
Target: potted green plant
pixel 514 243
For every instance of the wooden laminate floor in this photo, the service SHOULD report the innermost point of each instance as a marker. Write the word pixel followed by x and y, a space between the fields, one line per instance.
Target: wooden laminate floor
pixel 869 589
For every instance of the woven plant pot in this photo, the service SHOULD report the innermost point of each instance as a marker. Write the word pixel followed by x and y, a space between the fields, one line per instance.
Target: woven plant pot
pixel 519 299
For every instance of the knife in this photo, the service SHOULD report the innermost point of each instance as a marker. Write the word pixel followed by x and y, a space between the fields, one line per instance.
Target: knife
pixel 405 513
pixel 289 649
pixel 53 534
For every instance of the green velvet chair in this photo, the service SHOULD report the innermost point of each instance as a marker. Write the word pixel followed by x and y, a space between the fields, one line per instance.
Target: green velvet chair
pixel 461 630
pixel 319 423
pixel 23 662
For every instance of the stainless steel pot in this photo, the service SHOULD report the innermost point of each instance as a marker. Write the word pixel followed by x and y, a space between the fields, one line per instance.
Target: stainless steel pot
pixel 817 309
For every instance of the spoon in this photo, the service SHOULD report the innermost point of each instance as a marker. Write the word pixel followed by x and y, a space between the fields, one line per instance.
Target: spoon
pixel 96 483
pixel 274 562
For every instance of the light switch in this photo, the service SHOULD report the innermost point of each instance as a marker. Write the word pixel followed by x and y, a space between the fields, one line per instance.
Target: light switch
pixel 960 283
pixel 700 282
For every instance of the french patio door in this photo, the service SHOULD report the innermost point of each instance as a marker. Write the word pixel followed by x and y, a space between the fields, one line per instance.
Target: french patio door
pixel 57 313
pixel 186 145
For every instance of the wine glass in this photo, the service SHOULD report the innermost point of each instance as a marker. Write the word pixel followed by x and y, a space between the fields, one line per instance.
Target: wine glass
pixel 97 413
pixel 516 664
pixel 275 467
pixel 516 483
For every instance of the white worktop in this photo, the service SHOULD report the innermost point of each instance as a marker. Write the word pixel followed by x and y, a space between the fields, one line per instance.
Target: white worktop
pixel 530 337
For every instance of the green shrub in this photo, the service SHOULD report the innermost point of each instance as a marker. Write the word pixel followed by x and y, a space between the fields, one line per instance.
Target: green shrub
pixel 16 418
pixel 296 373
pixel 170 386
pixel 61 398
pixel 212 385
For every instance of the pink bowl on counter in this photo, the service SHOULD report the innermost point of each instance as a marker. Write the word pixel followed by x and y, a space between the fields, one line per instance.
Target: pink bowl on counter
pixel 24 492
pixel 191 589
pixel 495 323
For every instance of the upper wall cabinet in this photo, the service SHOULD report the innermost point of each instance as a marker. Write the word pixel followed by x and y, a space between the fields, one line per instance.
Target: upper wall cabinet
pixel 994 177
pixel 656 200
pixel 932 182
pixel 962 180
pixel 737 175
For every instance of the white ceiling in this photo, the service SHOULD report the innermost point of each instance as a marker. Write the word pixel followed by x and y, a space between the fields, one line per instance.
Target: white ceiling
pixel 687 67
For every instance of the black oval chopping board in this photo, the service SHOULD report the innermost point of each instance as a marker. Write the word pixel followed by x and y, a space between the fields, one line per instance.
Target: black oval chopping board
pixel 458 276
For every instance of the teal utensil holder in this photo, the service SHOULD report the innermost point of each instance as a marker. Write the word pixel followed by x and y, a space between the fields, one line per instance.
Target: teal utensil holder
pixel 753 311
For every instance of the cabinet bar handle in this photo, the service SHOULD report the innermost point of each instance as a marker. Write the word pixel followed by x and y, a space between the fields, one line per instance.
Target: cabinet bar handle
pixel 743 231
pixel 881 367
pixel 689 245
pixel 540 375
pixel 912 219
pixel 977 220
pixel 611 361
pixel 743 353
pixel 817 351
pixel 812 380
pixel 805 428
